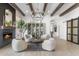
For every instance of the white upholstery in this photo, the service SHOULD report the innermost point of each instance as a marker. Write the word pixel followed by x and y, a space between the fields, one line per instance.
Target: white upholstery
pixel 27 37
pixel 45 36
pixel 19 45
pixel 49 44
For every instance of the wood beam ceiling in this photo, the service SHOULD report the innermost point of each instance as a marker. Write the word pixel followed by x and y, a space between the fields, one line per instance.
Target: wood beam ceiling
pixel 45 6
pixel 16 7
pixel 57 8
pixel 70 9
pixel 31 8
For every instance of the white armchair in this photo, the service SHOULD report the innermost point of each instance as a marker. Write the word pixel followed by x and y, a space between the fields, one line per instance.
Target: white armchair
pixel 49 44
pixel 19 45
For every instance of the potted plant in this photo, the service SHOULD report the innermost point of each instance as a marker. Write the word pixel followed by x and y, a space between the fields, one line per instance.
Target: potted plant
pixel 21 26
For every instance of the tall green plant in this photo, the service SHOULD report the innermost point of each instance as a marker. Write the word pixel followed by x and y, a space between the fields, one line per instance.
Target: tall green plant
pixel 20 24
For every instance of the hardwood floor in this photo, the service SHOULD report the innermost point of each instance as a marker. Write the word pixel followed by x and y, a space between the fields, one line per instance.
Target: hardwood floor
pixel 63 48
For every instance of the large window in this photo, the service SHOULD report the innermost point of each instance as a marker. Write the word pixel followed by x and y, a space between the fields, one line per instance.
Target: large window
pixel 36 29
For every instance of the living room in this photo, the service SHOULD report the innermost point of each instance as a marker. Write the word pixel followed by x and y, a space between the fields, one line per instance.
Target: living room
pixel 39 29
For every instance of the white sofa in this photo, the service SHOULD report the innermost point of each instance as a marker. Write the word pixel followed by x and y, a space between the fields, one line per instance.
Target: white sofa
pixel 19 45
pixel 49 44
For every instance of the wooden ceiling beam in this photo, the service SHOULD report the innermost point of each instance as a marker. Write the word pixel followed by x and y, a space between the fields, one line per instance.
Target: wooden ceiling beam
pixel 57 8
pixel 45 6
pixel 31 8
pixel 70 9
pixel 16 7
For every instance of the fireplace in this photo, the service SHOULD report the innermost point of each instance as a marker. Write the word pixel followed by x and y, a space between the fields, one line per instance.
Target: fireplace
pixel 7 36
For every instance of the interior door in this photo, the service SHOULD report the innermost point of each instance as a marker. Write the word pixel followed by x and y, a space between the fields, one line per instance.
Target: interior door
pixel 72 30
pixel 69 37
pixel 75 30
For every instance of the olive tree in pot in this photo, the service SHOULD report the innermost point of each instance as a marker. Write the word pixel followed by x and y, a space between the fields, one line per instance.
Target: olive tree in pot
pixel 21 26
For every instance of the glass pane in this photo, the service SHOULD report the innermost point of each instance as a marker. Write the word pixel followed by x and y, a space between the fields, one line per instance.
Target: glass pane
pixel 75 23
pixel 69 24
pixel 75 39
pixel 75 30
pixel 69 37
pixel 69 30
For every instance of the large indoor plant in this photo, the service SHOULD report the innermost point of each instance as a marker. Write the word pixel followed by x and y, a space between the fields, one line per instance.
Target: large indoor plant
pixel 21 26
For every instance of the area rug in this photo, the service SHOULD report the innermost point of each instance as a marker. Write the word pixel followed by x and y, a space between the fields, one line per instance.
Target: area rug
pixel 35 47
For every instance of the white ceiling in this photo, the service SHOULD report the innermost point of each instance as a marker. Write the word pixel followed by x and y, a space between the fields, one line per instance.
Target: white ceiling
pixel 64 7
pixel 51 7
pixel 24 7
pixel 38 7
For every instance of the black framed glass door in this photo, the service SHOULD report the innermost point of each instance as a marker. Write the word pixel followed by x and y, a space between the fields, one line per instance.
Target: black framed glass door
pixel 75 30
pixel 72 30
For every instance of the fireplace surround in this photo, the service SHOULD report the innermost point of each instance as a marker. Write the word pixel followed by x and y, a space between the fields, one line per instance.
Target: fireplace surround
pixel 7 33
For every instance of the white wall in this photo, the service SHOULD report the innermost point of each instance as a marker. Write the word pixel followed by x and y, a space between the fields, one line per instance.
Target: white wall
pixel 61 22
pixel 47 21
pixel 62 30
